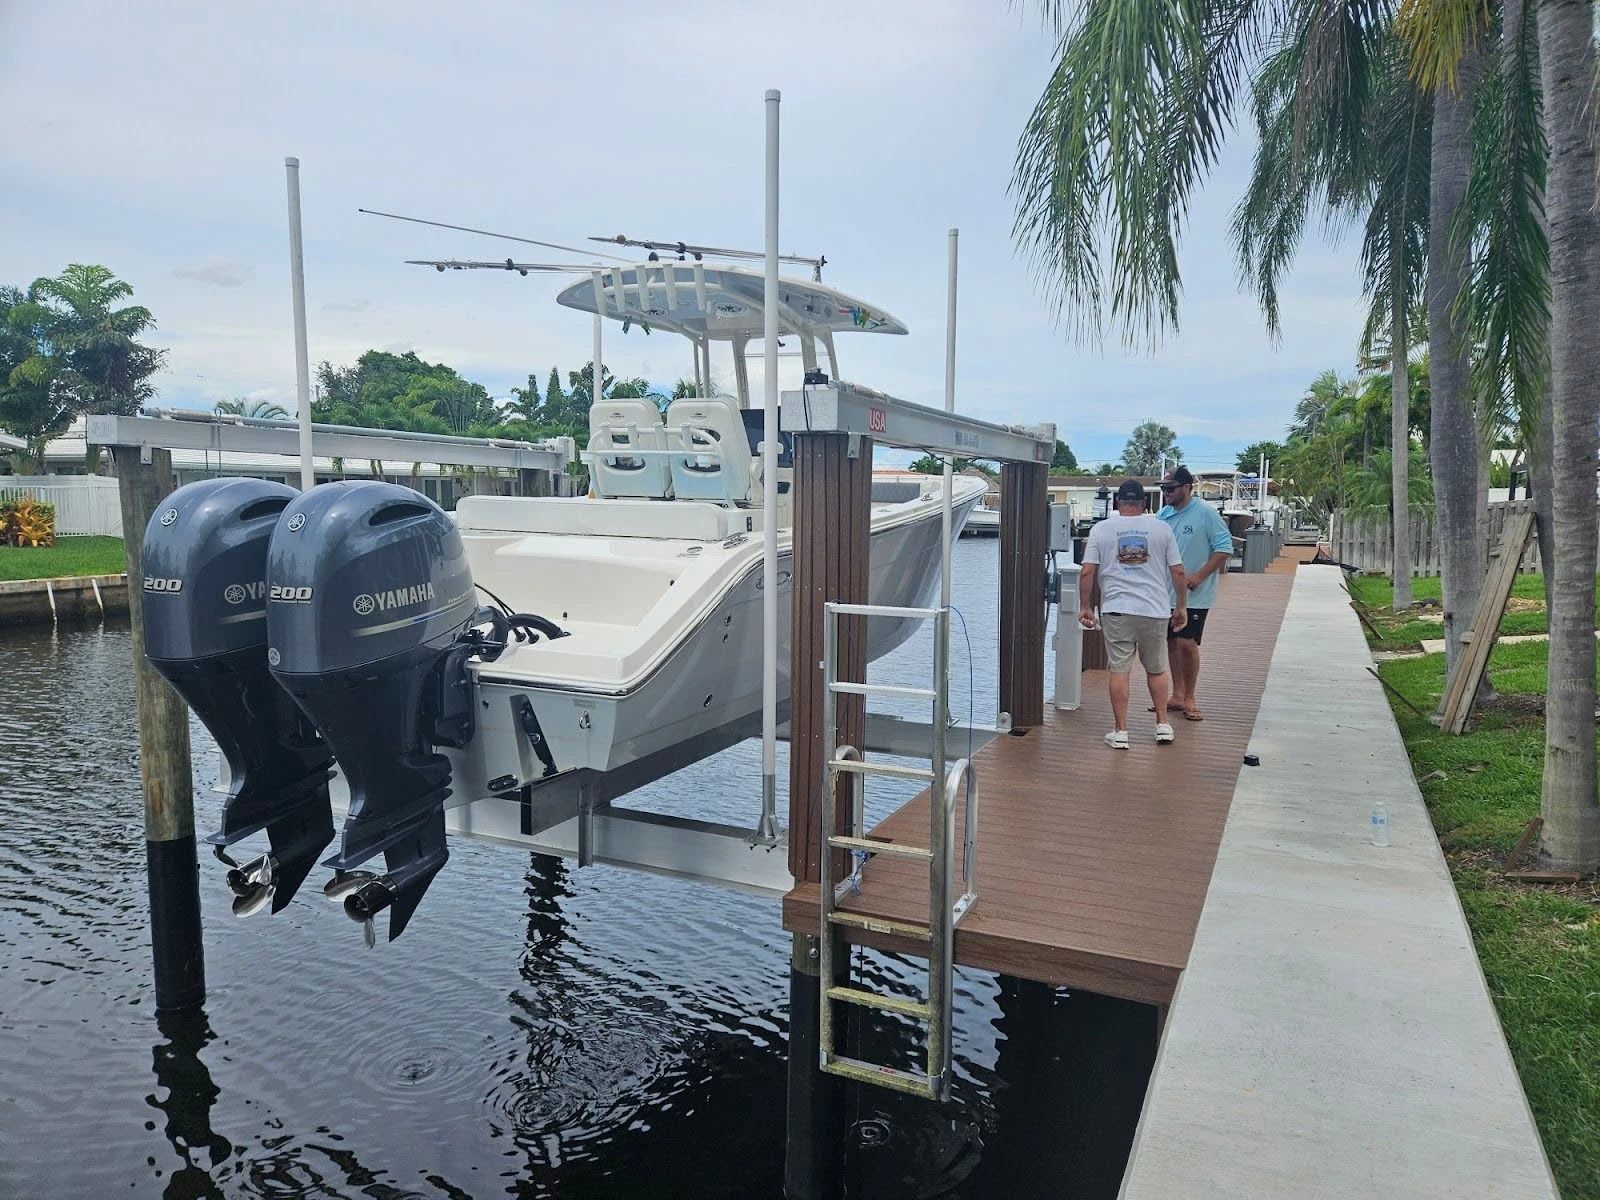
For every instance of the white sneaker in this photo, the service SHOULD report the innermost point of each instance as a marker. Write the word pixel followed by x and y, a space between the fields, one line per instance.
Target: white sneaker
pixel 1117 739
pixel 1163 732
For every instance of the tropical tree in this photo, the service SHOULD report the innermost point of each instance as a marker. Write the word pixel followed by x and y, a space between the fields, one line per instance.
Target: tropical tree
pixel 1343 135
pixel 1150 443
pixel 34 405
pixel 555 399
pixel 684 389
pixel 1567 62
pixel 526 402
pixel 1063 459
pixel 85 357
pixel 1249 459
pixel 260 410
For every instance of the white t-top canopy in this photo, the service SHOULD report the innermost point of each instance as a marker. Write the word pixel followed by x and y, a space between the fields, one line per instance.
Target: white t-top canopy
pixel 718 302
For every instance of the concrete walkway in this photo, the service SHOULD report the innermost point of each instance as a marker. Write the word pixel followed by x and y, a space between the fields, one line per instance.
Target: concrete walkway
pixel 1332 1035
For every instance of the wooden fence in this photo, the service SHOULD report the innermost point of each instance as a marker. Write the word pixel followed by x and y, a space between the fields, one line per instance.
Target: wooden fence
pixel 83 503
pixel 1364 538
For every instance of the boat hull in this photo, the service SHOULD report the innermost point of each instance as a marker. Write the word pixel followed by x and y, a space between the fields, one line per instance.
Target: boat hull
pixel 711 682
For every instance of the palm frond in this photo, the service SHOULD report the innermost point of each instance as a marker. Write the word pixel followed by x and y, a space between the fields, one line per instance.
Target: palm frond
pixel 1438 35
pixel 1131 120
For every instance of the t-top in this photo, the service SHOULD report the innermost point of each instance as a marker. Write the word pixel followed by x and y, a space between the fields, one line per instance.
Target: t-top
pixel 1201 532
pixel 1133 557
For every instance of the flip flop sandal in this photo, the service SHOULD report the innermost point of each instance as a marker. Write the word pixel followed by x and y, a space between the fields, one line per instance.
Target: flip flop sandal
pixel 1193 714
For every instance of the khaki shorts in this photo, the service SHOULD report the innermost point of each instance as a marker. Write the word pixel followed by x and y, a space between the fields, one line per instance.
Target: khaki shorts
pixel 1126 633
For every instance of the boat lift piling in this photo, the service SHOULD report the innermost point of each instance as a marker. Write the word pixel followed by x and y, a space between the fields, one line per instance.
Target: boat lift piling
pixel 144 479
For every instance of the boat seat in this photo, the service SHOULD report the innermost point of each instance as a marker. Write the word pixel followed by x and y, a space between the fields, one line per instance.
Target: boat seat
pixel 711 457
pixel 620 425
pixel 682 520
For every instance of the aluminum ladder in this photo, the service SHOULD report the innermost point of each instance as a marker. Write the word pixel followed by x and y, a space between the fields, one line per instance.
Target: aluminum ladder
pixel 946 787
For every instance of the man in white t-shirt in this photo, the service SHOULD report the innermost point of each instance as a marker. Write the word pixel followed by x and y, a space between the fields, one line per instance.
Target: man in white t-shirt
pixel 1135 559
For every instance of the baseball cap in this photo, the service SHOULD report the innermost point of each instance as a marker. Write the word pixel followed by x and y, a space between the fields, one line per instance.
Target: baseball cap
pixel 1179 476
pixel 1130 491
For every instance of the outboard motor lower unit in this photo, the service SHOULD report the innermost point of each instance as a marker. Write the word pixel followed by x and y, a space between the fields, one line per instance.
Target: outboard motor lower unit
pixel 370 601
pixel 205 630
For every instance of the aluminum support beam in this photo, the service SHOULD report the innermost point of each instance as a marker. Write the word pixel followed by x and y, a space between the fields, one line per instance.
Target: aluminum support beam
pixel 846 408
pixel 226 435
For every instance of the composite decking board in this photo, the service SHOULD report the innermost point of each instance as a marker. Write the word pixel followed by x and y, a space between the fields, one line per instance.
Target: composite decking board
pixel 1093 864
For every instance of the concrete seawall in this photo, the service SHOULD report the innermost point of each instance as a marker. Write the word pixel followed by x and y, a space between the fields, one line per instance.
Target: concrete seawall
pixel 34 601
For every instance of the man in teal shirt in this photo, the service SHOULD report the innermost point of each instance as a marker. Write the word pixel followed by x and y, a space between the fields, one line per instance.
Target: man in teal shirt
pixel 1205 543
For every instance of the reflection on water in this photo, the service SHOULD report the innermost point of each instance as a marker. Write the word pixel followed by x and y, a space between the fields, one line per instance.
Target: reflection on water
pixel 538 1032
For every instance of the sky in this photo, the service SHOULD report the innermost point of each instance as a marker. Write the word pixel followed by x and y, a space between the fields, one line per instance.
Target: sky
pixel 151 139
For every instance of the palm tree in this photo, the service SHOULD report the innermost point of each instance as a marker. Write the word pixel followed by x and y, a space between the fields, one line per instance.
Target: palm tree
pixel 1447 44
pixel 256 410
pixel 1571 835
pixel 1343 130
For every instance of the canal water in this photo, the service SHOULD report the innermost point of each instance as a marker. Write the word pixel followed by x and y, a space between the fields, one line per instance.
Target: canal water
pixel 539 1031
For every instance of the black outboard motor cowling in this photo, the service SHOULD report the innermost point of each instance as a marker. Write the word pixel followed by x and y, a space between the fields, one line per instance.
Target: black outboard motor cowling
pixel 205 630
pixel 369 596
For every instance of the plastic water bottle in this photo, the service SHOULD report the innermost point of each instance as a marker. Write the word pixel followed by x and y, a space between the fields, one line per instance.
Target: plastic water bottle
pixel 1380 824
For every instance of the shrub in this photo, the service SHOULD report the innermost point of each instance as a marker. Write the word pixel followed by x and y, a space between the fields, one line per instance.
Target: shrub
pixel 27 522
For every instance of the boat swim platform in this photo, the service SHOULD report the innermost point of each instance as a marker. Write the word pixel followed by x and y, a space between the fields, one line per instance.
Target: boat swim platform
pixel 1093 863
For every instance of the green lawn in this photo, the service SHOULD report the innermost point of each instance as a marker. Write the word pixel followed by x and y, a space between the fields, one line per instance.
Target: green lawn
pixel 69 556
pixel 1540 947
pixel 1406 632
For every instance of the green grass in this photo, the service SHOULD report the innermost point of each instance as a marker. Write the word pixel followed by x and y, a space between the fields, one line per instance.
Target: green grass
pixel 69 556
pixel 1540 948
pixel 1405 632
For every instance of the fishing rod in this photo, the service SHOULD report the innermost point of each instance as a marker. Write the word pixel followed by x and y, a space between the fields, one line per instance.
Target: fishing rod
pixel 509 237
pixel 683 249
pixel 506 264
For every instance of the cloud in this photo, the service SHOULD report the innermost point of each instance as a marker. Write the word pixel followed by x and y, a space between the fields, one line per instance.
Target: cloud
pixel 347 306
pixel 219 272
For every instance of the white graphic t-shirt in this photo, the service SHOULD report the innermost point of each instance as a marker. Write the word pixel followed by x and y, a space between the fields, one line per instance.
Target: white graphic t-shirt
pixel 1133 557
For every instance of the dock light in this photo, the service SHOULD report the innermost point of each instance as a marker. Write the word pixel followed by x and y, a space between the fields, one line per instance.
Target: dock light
pixel 1102 503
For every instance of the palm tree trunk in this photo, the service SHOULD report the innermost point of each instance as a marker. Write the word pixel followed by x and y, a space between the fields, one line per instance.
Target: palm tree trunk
pixel 1399 421
pixel 1571 835
pixel 1542 482
pixel 1455 452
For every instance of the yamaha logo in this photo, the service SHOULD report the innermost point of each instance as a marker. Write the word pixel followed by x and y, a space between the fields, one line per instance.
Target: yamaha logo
pixel 168 517
pixel 363 604
pixel 297 522
pixel 233 594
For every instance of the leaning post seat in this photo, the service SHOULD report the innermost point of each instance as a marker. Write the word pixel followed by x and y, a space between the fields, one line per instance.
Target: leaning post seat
pixel 617 426
pixel 711 457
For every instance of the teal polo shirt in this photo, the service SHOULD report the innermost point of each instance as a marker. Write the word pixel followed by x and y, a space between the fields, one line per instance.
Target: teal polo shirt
pixel 1200 532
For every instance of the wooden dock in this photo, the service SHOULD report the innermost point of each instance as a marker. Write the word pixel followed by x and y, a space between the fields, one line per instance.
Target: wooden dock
pixel 1093 864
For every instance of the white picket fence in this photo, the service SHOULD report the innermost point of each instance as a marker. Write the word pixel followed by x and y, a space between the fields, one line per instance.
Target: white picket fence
pixel 1364 538
pixel 83 503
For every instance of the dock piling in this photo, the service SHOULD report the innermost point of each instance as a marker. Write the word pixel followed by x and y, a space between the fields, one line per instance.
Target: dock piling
pixel 172 867
pixel 1024 536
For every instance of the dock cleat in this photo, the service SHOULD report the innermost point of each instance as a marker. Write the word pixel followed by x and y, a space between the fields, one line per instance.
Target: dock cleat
pixel 205 631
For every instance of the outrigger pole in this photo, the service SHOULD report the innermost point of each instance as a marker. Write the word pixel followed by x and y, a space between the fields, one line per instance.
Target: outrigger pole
pixel 690 250
pixel 302 358
pixel 949 407
pixel 767 830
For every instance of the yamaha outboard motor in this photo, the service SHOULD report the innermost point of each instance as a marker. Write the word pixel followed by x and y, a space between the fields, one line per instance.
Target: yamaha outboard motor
pixel 205 630
pixel 369 614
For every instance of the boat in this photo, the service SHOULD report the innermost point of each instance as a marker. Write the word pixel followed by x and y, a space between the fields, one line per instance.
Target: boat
pixel 443 659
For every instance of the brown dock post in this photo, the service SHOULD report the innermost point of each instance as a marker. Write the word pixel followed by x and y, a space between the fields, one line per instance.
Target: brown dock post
pixel 832 494
pixel 1024 536
pixel 172 868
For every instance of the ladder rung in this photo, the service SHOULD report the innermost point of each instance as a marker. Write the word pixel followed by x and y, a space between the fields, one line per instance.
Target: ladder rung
pixel 882 689
pixel 905 929
pixel 862 767
pixel 893 849
pixel 913 1082
pixel 893 1004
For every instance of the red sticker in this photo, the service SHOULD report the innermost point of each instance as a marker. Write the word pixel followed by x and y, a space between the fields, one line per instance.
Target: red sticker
pixel 877 420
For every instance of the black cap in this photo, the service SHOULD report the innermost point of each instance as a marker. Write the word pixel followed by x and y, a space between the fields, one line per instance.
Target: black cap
pixel 1177 477
pixel 1130 491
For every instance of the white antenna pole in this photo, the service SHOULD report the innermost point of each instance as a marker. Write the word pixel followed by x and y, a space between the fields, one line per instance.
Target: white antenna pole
pixel 768 829
pixel 949 407
pixel 302 360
